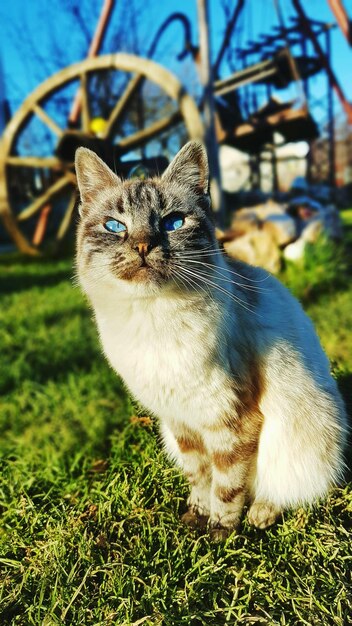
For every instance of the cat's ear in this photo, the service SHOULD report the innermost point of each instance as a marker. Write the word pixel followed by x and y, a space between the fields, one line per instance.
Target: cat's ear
pixel 190 167
pixel 93 174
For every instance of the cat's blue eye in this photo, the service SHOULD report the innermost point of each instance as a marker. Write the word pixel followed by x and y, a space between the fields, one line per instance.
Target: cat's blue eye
pixel 173 222
pixel 114 226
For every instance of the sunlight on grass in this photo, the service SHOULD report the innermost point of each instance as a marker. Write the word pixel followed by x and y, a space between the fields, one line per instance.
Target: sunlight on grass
pixel 90 531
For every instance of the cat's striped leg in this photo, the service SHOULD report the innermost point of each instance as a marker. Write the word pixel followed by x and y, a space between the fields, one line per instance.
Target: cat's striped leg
pixel 228 492
pixel 187 448
pixel 198 473
pixel 232 459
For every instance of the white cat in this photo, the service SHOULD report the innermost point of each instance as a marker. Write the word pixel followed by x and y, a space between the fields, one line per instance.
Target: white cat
pixel 220 352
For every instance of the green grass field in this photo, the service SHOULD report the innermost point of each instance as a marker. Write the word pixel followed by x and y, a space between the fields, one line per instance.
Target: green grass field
pixel 90 531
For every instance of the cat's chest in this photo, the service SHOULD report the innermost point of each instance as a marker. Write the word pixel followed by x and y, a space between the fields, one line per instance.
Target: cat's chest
pixel 164 356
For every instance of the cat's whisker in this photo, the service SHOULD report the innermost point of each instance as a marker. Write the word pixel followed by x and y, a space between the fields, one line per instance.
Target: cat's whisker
pixel 190 257
pixel 220 270
pixel 186 280
pixel 209 282
pixel 226 292
pixel 186 237
pixel 183 281
pixel 179 272
pixel 195 285
pixel 204 251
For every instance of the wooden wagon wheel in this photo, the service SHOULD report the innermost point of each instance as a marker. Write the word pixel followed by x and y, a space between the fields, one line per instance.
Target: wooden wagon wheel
pixel 123 76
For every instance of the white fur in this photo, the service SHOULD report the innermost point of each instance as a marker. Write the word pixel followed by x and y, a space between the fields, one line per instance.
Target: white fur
pixel 172 350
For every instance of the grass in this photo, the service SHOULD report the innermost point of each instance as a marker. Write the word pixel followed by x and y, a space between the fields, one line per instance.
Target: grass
pixel 90 531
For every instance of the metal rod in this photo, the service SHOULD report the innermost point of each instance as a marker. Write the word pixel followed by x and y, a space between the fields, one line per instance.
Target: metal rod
pixel 310 33
pixel 187 31
pixel 280 35
pixel 304 47
pixel 331 121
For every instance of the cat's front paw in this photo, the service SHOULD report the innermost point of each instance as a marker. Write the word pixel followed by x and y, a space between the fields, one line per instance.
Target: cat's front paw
pixel 218 533
pixel 263 514
pixel 194 518
pixel 199 500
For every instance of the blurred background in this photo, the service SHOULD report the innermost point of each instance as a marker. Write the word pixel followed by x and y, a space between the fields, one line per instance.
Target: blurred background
pixel 271 82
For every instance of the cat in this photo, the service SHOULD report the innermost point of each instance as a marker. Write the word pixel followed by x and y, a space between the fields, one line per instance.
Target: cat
pixel 219 351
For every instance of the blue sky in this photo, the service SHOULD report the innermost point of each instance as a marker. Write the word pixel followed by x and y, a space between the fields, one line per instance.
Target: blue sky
pixel 39 37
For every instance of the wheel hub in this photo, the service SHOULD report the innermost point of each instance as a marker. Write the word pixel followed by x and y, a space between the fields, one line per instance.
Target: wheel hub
pixel 71 140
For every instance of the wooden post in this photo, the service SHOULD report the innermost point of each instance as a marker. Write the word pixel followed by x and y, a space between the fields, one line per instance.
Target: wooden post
pixel 94 48
pixel 41 226
pixel 208 102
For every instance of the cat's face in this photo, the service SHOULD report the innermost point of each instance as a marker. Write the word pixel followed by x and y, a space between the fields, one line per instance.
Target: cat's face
pixel 135 234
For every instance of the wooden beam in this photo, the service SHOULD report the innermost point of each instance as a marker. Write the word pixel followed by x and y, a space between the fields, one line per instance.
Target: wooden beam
pixel 122 102
pixel 48 121
pixel 343 20
pixel 38 203
pixel 142 136
pixel 32 161
pixel 84 100
pixel 66 220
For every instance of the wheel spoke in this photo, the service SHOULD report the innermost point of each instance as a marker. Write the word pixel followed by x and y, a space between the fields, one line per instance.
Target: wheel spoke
pixel 32 161
pixel 85 111
pixel 65 222
pixel 122 102
pixel 48 121
pixel 38 203
pixel 145 134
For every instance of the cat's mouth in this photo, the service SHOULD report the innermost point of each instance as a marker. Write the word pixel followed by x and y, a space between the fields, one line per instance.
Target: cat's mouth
pixel 144 273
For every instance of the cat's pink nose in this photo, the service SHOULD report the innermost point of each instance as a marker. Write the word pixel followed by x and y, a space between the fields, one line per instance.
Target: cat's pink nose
pixel 143 249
